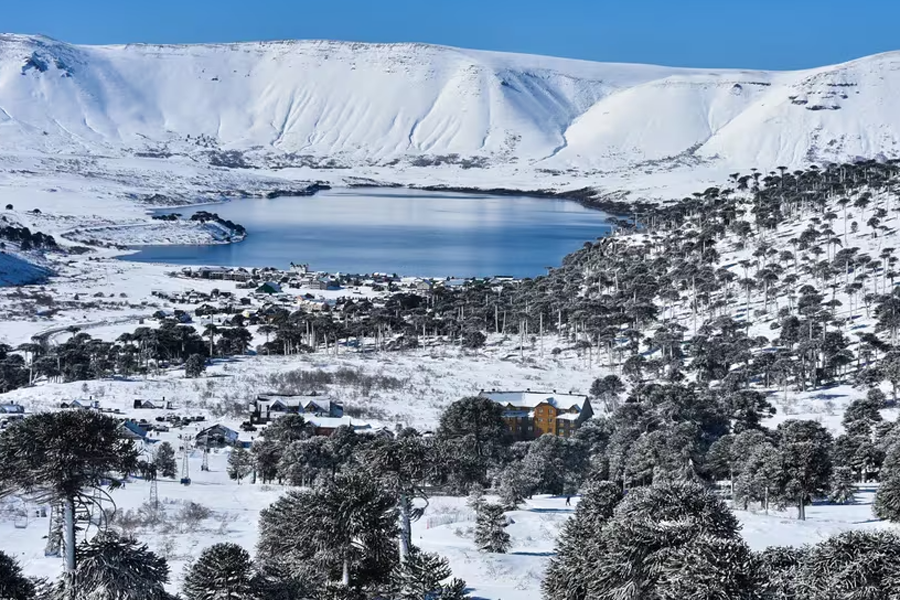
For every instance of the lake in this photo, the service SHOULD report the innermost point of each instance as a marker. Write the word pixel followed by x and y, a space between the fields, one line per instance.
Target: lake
pixel 408 232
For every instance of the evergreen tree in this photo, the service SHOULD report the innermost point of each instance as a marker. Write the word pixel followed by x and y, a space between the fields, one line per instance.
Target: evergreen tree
pixel 578 542
pixel 607 390
pixel 805 462
pixel 887 499
pixel 854 565
pixel 13 584
pixel 194 366
pixel 555 464
pixel 843 491
pixel 240 463
pixel 59 455
pixel 472 438
pixel 402 464
pixel 343 530
pixel 287 429
pixel 110 567
pixel 223 571
pixel 671 540
pixel 514 484
pixel 779 568
pixel 490 532
pixel 303 461
pixel 266 455
pixel 164 460
pixel 422 576
pixel 476 497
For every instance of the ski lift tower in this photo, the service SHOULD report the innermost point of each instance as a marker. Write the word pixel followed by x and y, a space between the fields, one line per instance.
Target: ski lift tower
pixel 185 464
pixel 204 466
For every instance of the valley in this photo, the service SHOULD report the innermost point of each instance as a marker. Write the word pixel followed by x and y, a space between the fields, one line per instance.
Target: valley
pixel 734 326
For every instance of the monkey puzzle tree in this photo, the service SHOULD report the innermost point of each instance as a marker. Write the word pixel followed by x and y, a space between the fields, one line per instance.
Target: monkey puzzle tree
pixel 57 456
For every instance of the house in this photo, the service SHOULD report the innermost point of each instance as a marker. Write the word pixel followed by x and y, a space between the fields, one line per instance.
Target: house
pixel 81 403
pixel 269 287
pixel 271 406
pixel 325 426
pixel 530 415
pixel 299 269
pixel 424 285
pixel 148 404
pixel 241 275
pixel 132 431
pixel 217 436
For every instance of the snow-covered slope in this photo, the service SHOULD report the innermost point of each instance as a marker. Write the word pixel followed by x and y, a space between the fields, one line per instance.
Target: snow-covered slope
pixel 376 103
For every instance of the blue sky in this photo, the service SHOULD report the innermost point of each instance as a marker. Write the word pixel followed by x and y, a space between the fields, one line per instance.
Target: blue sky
pixel 769 34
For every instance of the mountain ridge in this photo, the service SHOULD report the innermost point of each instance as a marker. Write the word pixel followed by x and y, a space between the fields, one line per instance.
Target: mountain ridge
pixel 418 104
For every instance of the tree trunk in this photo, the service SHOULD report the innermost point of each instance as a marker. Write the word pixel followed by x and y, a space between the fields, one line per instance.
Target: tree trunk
pixel 405 528
pixel 801 510
pixel 69 533
pixel 345 576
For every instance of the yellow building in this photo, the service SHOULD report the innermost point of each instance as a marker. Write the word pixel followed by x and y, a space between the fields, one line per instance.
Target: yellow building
pixel 530 415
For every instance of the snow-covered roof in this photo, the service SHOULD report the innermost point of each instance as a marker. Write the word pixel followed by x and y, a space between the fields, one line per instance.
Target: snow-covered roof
pixel 529 399
pixel 322 403
pixel 567 417
pixel 335 422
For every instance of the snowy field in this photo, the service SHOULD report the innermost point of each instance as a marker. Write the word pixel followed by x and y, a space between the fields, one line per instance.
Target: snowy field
pixel 446 528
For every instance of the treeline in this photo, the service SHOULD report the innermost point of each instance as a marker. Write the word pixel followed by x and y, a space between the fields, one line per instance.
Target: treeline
pixel 26 239
pixel 82 357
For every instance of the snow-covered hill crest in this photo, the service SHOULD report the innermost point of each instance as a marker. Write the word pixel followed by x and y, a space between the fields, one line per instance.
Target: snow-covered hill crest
pixel 383 103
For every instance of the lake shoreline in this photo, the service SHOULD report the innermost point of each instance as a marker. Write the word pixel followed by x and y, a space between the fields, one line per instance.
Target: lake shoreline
pixel 586 197
pixel 517 234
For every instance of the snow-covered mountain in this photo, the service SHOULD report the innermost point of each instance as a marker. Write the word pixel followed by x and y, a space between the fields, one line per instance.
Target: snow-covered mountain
pixel 379 104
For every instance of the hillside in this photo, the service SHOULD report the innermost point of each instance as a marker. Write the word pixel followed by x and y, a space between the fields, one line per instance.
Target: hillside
pixel 320 103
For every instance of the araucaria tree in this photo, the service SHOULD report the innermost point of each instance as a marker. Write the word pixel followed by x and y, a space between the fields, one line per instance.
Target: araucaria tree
pixel 222 572
pixel 59 456
pixel 804 452
pixel 164 460
pixel 424 576
pixel 240 463
pixel 843 490
pixel 343 530
pixel 402 465
pixel 490 529
pixel 114 568
pixel 668 540
pixel 578 542
pixel 854 565
pixel 472 437
pixel 887 500
pixel 13 584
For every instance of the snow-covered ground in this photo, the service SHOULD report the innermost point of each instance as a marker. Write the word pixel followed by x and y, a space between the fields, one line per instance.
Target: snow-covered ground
pixel 446 528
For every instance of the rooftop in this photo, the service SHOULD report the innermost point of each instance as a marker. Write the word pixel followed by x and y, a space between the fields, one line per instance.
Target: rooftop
pixel 529 399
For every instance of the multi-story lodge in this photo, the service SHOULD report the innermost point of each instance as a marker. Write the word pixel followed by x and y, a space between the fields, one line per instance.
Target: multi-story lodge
pixel 270 406
pixel 530 415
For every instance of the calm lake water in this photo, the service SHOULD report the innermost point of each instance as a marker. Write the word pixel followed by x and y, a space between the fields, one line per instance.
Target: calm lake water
pixel 408 232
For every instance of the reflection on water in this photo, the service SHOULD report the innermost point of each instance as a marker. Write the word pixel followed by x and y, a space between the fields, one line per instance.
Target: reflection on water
pixel 396 231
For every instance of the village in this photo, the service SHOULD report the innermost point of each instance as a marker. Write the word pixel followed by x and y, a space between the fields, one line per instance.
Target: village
pixel 527 414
